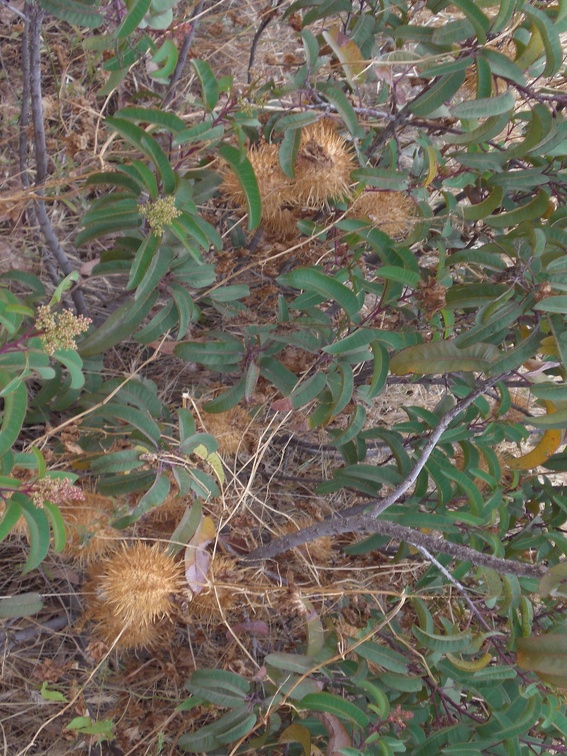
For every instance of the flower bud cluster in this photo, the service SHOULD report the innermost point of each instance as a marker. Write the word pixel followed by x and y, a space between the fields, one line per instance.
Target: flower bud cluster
pixel 59 329
pixel 55 490
pixel 160 213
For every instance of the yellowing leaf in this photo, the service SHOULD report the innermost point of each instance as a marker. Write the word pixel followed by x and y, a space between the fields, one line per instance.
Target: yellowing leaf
pixel 546 655
pixel 348 53
pixel 548 444
pixel 213 460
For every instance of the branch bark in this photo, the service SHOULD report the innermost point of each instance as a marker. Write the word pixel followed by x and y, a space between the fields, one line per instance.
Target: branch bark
pixel 31 58
pixel 366 522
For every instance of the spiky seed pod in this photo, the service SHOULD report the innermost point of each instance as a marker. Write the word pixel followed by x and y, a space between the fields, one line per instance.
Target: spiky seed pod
pixel 276 189
pixel 394 213
pixel 323 165
pixel 87 528
pixel 131 591
pixel 232 429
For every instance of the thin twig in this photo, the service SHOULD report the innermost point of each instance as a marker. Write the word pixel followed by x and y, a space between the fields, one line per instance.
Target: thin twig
pixel 183 53
pixel 432 442
pixel 33 39
pixel 270 15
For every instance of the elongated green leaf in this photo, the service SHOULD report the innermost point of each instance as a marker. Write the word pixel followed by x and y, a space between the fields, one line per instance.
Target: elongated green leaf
pixel 139 420
pixel 142 260
pixel 484 208
pixel 550 38
pixel 22 605
pixel 136 13
pixel 484 107
pixel 556 303
pixel 382 656
pixel 503 67
pixel 15 406
pixel 532 210
pixel 337 97
pixel 443 643
pixel 38 529
pixel 333 704
pixel 118 326
pixel 439 93
pixel 288 151
pixel 244 172
pixel 209 84
pixel 148 145
pixel 212 353
pixel 74 364
pixel 308 390
pixel 168 56
pixel 152 116
pixel 476 17
pixel 11 515
pixel 73 12
pixel 57 526
pixel 311 280
pixel 443 357
pixel 157 269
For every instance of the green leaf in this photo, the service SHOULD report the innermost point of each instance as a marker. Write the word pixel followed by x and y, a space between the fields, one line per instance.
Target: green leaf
pixel 337 97
pixel 157 269
pixel 308 390
pixel 484 107
pixel 10 517
pixel 57 526
pixel 22 605
pixel 244 172
pixel 336 706
pixel 136 13
pixel 443 644
pixel 152 116
pixel 38 529
pixel 142 261
pixel 118 326
pixel 288 151
pixel 142 422
pixel 382 178
pixel 484 208
pixel 74 365
pixel 556 303
pixel 479 21
pixel 550 38
pixel 502 66
pixel 213 354
pixel 443 357
pixel 168 56
pixel 153 497
pixel 438 94
pixel 311 280
pixel 219 690
pixel 73 12
pixel 14 412
pixel 186 529
pixel 209 84
pixel 227 729
pixel 148 145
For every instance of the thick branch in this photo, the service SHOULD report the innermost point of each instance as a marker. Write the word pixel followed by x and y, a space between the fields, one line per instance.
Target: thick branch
pixel 367 524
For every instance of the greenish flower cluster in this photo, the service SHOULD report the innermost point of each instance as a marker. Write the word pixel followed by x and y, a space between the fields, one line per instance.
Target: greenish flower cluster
pixel 59 329
pixel 160 213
